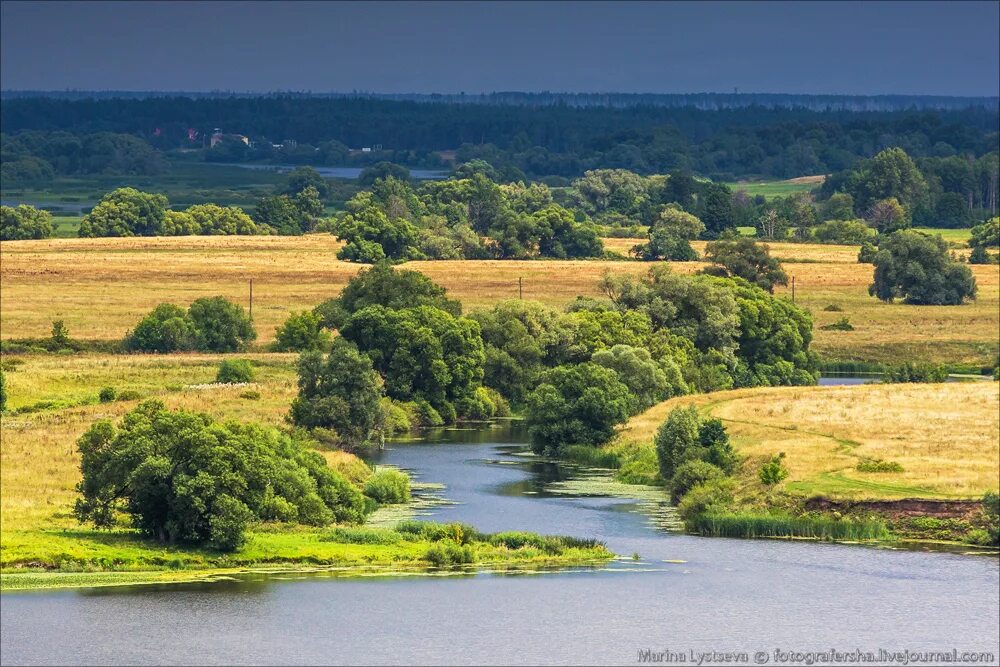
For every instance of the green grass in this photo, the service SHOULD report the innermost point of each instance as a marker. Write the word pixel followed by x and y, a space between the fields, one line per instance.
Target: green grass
pixel 959 236
pixel 746 524
pixel 56 558
pixel 771 189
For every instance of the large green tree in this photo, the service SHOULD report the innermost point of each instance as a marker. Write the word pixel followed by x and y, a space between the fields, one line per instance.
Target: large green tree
pixel 24 222
pixel 916 268
pixel 126 212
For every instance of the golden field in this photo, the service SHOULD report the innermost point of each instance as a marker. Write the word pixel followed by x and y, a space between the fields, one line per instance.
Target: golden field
pixel 946 436
pixel 102 287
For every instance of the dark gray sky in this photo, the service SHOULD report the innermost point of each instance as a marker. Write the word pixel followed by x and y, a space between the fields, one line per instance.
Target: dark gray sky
pixel 946 48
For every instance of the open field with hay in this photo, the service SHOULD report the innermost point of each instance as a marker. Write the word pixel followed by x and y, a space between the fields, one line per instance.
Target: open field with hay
pixel 102 287
pixel 945 436
pixel 782 188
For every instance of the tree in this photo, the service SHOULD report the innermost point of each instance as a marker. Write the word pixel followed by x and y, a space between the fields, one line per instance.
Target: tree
pixel 888 215
pixel 342 393
pixel 211 219
pixel 952 211
pixel 716 209
pixel 301 178
pixel 576 405
pixel 221 325
pixel 916 268
pixel 770 225
pixel 986 235
pixel 126 212
pixel 646 381
pixel 840 206
pixel 690 474
pixel 383 285
pixel 891 174
pixel 300 332
pixel 774 471
pixel 166 329
pixel 424 353
pixel 182 477
pixel 24 222
pixel 744 258
pixel 618 191
pixel 382 170
pixel 670 237
pixel 843 232
pixel 677 440
pixel 396 238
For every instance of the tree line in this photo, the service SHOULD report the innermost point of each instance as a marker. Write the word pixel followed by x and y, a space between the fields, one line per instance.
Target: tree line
pixel 553 140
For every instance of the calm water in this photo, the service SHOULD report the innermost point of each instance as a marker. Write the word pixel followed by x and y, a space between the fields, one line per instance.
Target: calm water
pixel 342 172
pixel 727 595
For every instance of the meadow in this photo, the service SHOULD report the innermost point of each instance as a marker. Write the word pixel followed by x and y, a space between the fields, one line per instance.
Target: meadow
pixel 102 287
pixel 944 436
pixel 54 399
pixel 781 188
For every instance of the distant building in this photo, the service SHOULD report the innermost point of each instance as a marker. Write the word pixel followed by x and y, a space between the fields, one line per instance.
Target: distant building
pixel 218 136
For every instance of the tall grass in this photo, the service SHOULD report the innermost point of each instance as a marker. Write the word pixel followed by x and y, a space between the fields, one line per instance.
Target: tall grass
pixel 745 524
pixel 591 456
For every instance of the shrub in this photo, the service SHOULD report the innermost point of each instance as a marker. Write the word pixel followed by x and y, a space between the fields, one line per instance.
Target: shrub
pixel 235 371
pixel 3 390
pixel 690 474
pixel 843 324
pixel 166 329
pixel 107 395
pixel 448 554
pixel 397 419
pixel 129 395
pixel 713 496
pixel 878 465
pixel 685 437
pixel 912 371
pixel 250 395
pixel 991 517
pixel 300 332
pixel 774 471
pixel 388 487
pixel 833 308
pixel 845 232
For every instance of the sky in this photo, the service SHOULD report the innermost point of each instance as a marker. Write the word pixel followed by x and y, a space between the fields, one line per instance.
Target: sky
pixel 928 48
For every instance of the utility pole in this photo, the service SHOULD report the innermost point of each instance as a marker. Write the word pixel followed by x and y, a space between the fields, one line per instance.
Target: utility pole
pixel 520 288
pixel 251 298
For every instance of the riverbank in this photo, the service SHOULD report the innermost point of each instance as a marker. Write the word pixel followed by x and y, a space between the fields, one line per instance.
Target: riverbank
pixel 877 461
pixel 85 557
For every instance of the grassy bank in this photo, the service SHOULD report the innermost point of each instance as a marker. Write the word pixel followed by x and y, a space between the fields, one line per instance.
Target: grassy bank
pixel 86 557
pixel 53 400
pixel 864 462
pixel 63 278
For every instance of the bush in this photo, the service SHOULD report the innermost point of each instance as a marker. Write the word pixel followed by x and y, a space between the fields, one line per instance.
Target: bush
pixel 448 554
pixel 129 395
pixel 300 332
pixel 107 395
pixel 912 371
pixel 833 308
pixel 690 474
pixel 844 232
pixel 878 465
pixel 235 371
pixel 250 395
pixel 388 487
pixel 182 477
pixel 3 390
pixel 166 329
pixel 685 437
pixel 843 324
pixel 774 471
pixel 714 496
pixel 397 419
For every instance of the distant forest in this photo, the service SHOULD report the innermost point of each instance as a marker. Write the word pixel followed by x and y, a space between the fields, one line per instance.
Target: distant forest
pixel 539 135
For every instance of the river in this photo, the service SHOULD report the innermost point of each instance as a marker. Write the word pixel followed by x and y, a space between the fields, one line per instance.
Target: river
pixel 713 594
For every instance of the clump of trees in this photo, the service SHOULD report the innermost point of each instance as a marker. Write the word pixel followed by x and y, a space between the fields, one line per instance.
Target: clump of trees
pixel 300 332
pixel 917 269
pixel 670 236
pixel 130 212
pixel 210 324
pixel 986 235
pixel 471 217
pixel 182 477
pixel 744 258
pixel 24 222
pixel 691 451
